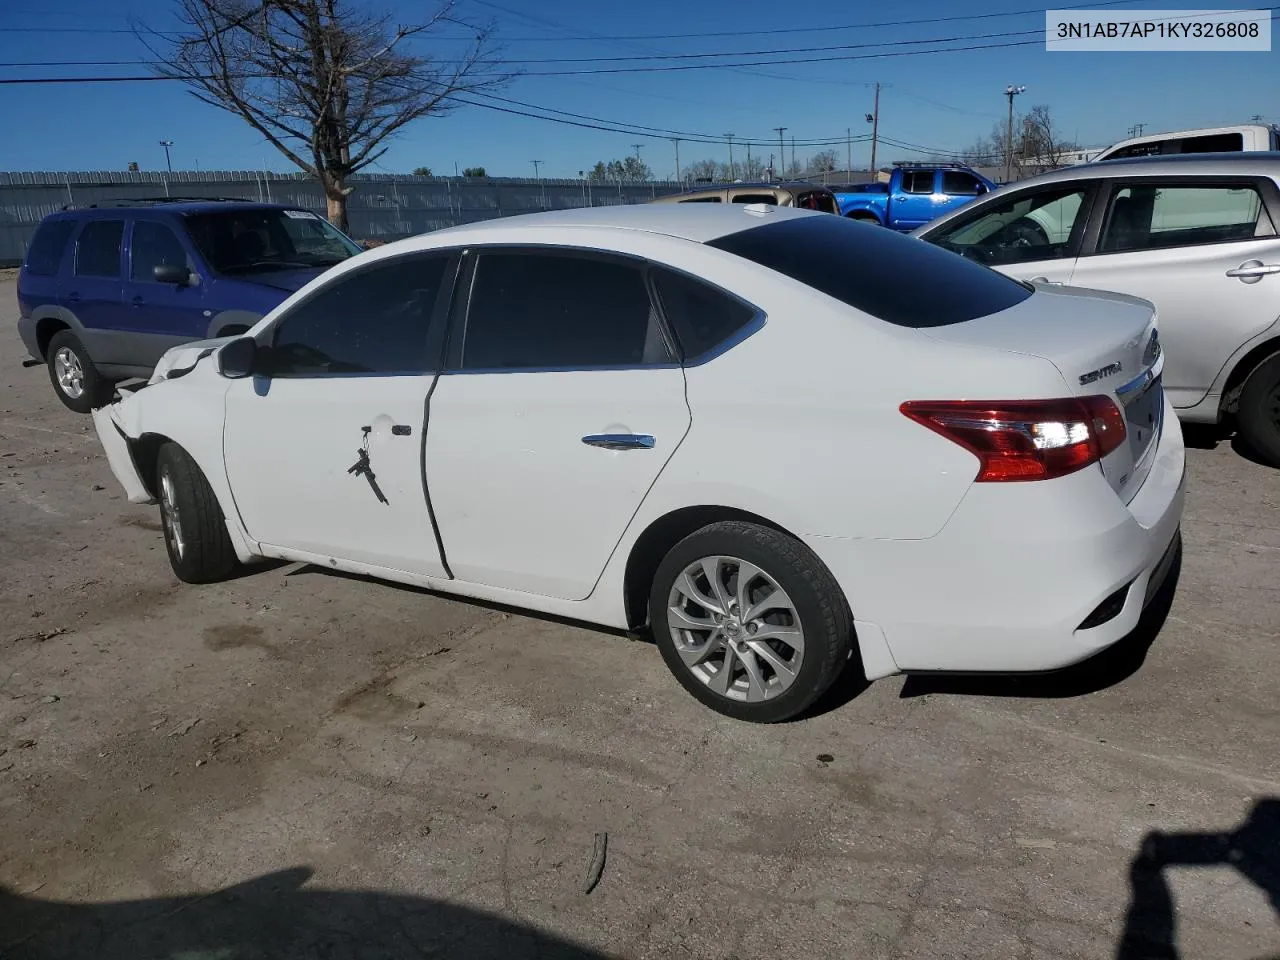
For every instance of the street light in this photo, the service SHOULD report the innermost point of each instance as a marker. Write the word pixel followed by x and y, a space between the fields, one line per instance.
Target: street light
pixel 1010 91
pixel 167 144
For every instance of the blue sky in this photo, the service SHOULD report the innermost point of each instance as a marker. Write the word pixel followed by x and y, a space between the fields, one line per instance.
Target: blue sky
pixel 941 100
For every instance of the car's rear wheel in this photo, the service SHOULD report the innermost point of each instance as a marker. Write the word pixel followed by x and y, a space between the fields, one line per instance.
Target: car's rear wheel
pixel 195 531
pixel 75 379
pixel 749 621
pixel 1258 413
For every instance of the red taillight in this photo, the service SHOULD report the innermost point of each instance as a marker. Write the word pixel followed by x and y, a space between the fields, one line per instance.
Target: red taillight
pixel 1025 439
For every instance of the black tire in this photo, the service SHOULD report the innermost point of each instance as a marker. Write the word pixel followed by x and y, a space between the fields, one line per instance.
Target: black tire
pixel 1258 413
pixel 66 355
pixel 195 530
pixel 819 605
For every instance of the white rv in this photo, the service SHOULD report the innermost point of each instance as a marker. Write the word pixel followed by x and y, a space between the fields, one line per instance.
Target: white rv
pixel 1233 139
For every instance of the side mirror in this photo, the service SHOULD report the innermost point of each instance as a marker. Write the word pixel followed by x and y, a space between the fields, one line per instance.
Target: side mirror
pixel 236 359
pixel 171 273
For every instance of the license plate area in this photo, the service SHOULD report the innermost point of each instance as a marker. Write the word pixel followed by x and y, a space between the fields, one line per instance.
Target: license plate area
pixel 1143 403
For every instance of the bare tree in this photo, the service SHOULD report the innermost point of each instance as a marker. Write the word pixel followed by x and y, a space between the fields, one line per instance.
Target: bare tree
pixel 1042 145
pixel 704 170
pixel 823 161
pixel 325 82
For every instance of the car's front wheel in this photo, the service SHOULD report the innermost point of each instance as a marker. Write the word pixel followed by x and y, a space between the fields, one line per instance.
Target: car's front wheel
pixel 195 531
pixel 1258 415
pixel 750 621
pixel 75 379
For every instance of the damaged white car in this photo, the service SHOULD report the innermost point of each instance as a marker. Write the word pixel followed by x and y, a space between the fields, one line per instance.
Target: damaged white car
pixel 752 429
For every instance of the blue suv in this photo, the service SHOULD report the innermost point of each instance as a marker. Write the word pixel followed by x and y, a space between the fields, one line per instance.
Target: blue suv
pixel 106 290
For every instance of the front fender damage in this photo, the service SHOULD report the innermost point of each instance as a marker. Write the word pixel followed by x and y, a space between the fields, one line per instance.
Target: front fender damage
pixel 117 425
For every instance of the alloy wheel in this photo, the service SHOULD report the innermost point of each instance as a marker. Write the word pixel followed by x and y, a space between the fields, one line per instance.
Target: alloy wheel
pixel 736 629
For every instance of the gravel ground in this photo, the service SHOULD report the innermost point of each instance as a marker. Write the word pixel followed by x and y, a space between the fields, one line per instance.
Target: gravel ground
pixel 301 764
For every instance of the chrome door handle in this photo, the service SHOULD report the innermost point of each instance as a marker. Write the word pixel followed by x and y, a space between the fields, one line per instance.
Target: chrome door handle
pixel 620 441
pixel 1251 271
pixel 1053 283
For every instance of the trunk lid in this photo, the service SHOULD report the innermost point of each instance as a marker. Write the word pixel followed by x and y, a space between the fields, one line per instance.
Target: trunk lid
pixel 1102 344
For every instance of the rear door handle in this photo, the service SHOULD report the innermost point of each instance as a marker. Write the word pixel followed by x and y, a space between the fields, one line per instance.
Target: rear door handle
pixel 138 301
pixel 1251 271
pixel 620 441
pixel 73 297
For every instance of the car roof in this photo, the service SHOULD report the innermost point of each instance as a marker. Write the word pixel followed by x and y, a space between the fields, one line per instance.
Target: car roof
pixel 179 206
pixel 1247 163
pixel 697 222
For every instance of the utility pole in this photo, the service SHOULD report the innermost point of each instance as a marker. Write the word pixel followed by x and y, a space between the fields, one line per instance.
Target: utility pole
pixel 1010 91
pixel 793 153
pixel 873 118
pixel 848 152
pixel 536 164
pixel 1256 118
pixel 782 151
pixel 747 174
pixel 1136 129
pixel 637 146
pixel 729 137
pixel 676 141
pixel 167 144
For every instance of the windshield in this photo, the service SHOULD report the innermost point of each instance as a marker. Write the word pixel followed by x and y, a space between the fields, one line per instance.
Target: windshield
pixel 262 239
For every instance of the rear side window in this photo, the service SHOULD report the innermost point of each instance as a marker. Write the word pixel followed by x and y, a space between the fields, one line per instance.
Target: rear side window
pixel 917 181
pixel 818 200
pixel 1156 216
pixel 1214 143
pixel 896 278
pixel 98 249
pixel 373 321
pixel 45 253
pixel 701 200
pixel 768 198
pixel 702 316
pixel 556 310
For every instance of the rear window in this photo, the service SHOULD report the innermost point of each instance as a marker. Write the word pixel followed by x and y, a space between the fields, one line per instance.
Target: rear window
pixel 45 253
pixel 895 278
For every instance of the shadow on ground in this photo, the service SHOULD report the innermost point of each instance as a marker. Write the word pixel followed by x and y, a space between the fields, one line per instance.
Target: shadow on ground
pixel 1150 925
pixel 1118 662
pixel 268 918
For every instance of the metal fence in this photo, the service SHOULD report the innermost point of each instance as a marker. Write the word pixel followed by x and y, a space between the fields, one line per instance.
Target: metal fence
pixel 383 206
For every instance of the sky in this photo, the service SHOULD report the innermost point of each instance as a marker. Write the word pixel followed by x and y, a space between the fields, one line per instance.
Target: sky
pixel 940 101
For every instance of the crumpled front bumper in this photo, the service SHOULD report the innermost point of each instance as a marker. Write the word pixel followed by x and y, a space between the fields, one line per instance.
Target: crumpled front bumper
pixel 110 424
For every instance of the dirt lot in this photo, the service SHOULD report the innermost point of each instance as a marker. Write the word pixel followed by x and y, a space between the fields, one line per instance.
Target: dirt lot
pixel 298 764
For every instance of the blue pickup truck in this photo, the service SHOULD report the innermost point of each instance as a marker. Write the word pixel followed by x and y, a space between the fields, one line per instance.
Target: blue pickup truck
pixel 915 194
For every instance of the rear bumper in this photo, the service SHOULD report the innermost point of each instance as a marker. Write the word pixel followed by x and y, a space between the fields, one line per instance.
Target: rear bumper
pixel 1008 582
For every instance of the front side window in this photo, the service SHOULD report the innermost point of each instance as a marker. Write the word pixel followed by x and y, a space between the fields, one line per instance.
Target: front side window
pixel 154 245
pixel 98 249
pixel 960 184
pixel 1155 216
pixel 373 321
pixel 1024 227
pixel 44 256
pixel 701 200
pixel 240 241
pixel 701 316
pixel 541 310
pixel 917 181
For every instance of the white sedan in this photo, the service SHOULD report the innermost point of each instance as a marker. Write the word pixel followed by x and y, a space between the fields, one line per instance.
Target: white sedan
pixel 777 438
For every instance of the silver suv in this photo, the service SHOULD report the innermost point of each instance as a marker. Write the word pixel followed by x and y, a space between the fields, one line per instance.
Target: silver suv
pixel 1194 234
